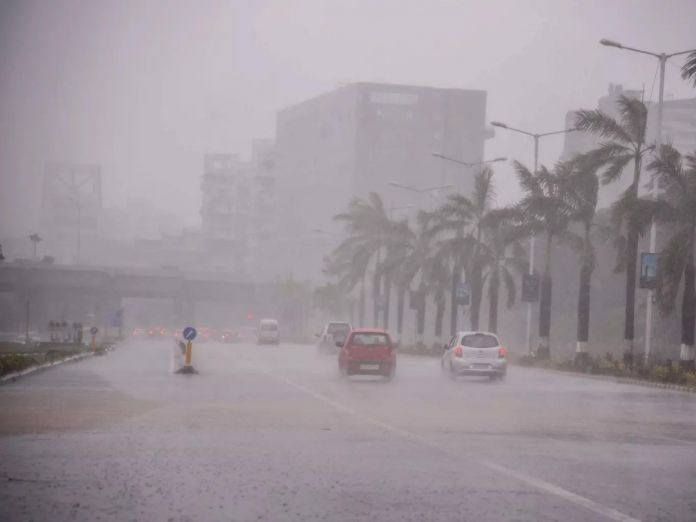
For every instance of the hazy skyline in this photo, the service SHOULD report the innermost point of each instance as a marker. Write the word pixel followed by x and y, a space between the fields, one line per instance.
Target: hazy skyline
pixel 146 88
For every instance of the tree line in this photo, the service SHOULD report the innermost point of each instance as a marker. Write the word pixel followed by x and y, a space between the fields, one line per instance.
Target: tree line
pixel 467 239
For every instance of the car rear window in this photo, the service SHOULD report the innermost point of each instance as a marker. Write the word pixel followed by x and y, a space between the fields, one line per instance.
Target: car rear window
pixel 337 327
pixel 480 341
pixel 269 327
pixel 370 339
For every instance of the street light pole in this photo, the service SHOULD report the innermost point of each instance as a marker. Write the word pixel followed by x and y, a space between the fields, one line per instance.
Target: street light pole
pixel 662 57
pixel 532 242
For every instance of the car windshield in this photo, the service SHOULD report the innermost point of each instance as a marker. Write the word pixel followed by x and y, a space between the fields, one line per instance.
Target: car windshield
pixel 369 339
pixel 269 327
pixel 480 341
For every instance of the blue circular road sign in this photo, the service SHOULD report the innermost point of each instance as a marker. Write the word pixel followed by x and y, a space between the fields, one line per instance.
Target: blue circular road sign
pixel 94 330
pixel 189 333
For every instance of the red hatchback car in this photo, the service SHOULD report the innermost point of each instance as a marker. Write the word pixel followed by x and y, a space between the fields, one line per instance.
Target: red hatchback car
pixel 369 352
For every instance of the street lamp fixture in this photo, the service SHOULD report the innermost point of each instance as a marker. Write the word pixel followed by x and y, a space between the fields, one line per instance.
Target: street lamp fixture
pixel 499 124
pixel 610 43
pixel 662 57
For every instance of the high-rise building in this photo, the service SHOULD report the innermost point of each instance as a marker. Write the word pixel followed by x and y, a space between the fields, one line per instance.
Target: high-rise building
pixel 678 124
pixel 224 210
pixel 355 140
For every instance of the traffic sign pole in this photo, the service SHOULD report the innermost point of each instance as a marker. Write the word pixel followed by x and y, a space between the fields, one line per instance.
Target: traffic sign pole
pixel 188 354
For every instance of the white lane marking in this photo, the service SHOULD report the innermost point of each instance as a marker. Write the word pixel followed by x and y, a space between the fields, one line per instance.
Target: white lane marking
pixel 539 484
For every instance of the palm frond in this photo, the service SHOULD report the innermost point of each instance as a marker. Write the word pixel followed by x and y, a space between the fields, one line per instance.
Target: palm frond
pixel 528 182
pixel 688 71
pixel 614 168
pixel 600 123
pixel 670 267
pixel 634 117
pixel 666 168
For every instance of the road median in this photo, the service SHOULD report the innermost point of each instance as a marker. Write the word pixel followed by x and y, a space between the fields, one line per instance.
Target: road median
pixel 15 366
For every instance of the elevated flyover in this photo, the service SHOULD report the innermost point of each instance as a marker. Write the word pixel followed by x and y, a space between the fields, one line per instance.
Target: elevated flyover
pixel 108 282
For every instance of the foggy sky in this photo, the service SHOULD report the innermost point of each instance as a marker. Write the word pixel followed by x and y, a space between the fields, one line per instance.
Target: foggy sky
pixel 144 88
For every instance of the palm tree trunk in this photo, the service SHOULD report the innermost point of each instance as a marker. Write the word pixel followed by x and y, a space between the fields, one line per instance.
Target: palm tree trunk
pixel 583 332
pixel 476 295
pixel 439 314
pixel 454 306
pixel 421 313
pixel 546 290
pixel 493 293
pixel 686 357
pixel 400 301
pixel 361 304
pixel 387 294
pixel 376 283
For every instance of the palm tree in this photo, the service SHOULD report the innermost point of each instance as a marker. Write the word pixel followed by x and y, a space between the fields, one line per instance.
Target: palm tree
pixel 369 229
pixel 349 264
pixel 482 199
pixel 438 281
pixel 689 68
pixel 625 144
pixel 543 210
pixel 676 176
pixel 502 255
pixel 409 254
pixel 452 222
pixel 582 197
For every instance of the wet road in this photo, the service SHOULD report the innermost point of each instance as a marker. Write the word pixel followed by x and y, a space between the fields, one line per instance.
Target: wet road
pixel 273 433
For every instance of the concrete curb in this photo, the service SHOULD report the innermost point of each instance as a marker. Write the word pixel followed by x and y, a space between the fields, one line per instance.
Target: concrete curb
pixel 620 380
pixel 13 377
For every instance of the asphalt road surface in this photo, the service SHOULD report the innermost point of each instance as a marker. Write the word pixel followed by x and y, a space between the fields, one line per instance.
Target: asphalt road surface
pixel 273 433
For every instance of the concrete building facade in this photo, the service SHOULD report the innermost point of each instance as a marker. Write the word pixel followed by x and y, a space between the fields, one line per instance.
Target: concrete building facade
pixel 355 140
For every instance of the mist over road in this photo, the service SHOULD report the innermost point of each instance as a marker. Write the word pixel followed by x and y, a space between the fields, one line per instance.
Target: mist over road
pixel 273 433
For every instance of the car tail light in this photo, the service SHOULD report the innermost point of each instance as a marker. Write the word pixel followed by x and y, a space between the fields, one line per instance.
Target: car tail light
pixel 240 336
pixel 150 331
pixel 458 352
pixel 134 333
pixel 501 353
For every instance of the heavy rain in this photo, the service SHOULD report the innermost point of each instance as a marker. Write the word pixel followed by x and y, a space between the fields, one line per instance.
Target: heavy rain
pixel 391 260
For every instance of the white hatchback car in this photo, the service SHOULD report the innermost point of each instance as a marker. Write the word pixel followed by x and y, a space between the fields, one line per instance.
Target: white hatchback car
pixel 475 353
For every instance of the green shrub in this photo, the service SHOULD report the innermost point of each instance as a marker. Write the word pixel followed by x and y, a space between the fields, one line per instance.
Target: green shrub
pixel 16 363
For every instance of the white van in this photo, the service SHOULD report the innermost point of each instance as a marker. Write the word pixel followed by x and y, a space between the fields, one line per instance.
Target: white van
pixel 268 332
